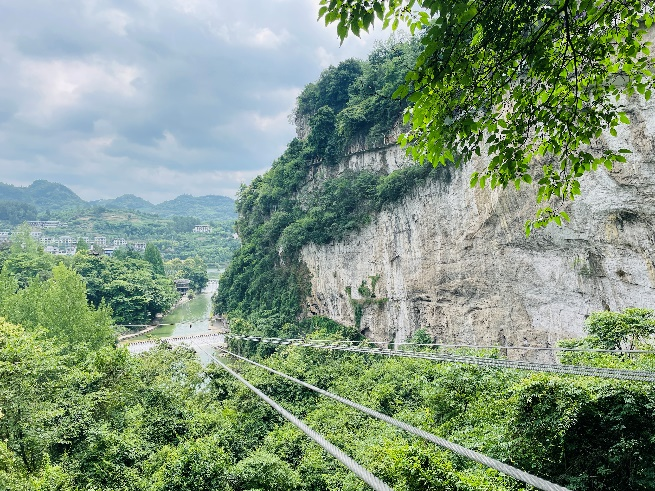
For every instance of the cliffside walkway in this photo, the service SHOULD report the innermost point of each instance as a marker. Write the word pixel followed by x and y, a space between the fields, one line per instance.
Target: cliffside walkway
pixel 615 373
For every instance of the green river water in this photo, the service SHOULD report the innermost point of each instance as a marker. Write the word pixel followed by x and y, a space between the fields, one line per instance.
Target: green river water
pixel 191 317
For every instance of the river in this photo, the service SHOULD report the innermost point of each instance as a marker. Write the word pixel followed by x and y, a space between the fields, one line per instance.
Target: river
pixel 190 317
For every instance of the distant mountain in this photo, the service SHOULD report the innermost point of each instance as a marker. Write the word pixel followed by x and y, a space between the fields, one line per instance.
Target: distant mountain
pixel 45 195
pixel 211 207
pixel 126 202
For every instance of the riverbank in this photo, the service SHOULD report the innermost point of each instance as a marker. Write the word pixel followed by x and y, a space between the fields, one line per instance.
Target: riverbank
pixel 190 317
pixel 181 301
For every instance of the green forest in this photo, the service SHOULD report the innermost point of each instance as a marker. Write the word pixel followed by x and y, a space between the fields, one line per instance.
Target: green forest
pixel 129 286
pixel 79 413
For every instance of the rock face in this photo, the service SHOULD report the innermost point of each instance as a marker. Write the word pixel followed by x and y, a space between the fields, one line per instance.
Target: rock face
pixel 455 260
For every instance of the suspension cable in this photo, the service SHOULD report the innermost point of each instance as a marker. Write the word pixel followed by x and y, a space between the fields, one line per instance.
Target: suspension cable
pixel 360 471
pixel 614 373
pixel 491 346
pixel 492 463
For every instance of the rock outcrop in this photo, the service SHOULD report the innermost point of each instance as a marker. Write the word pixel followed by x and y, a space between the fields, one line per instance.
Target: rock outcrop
pixel 455 260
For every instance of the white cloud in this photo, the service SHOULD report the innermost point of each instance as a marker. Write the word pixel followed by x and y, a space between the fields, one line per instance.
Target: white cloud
pixel 57 84
pixel 156 97
pixel 116 20
pixel 324 57
pixel 267 123
pixel 266 38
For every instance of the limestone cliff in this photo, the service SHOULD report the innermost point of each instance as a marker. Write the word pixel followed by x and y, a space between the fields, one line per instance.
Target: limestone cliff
pixel 455 260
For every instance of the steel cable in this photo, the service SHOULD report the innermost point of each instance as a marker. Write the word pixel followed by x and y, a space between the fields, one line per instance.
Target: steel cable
pixel 614 373
pixel 497 347
pixel 453 447
pixel 360 471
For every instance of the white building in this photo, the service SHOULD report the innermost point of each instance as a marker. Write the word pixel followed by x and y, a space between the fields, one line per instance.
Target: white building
pixel 202 229
pixel 139 246
pixel 35 234
pixel 44 223
pixel 101 241
pixel 119 242
pixel 67 240
pixel 4 236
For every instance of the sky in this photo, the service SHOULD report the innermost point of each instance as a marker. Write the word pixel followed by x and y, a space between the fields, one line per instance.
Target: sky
pixel 156 98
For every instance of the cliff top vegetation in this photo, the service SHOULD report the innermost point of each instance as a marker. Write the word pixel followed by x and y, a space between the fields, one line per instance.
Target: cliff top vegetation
pixel 530 83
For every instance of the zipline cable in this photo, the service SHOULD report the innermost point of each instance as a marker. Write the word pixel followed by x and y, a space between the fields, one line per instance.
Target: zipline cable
pixel 614 373
pixel 506 469
pixel 361 472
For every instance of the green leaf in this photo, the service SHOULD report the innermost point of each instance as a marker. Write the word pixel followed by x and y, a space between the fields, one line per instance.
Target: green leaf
pixel 474 179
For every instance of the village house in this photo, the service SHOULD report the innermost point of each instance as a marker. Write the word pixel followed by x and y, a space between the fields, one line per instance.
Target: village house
pixel 202 229
pixel 182 285
pixel 44 223
pixel 67 240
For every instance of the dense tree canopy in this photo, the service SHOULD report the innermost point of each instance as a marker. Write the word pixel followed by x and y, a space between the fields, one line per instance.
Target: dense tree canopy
pixel 532 83
pixel 102 419
pixel 16 212
pixel 193 269
pixel 153 256
pixel 130 286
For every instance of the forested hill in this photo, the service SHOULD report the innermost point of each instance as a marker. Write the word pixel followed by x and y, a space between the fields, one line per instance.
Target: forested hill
pixel 307 197
pixel 44 196
pixel 211 207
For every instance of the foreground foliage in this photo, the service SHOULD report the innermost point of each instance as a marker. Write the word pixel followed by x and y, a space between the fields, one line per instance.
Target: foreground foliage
pixel 81 418
pixel 529 83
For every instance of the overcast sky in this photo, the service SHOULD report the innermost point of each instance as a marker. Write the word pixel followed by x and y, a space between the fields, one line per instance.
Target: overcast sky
pixel 155 97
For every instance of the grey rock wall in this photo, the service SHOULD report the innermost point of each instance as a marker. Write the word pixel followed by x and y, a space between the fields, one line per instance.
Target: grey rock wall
pixel 455 260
